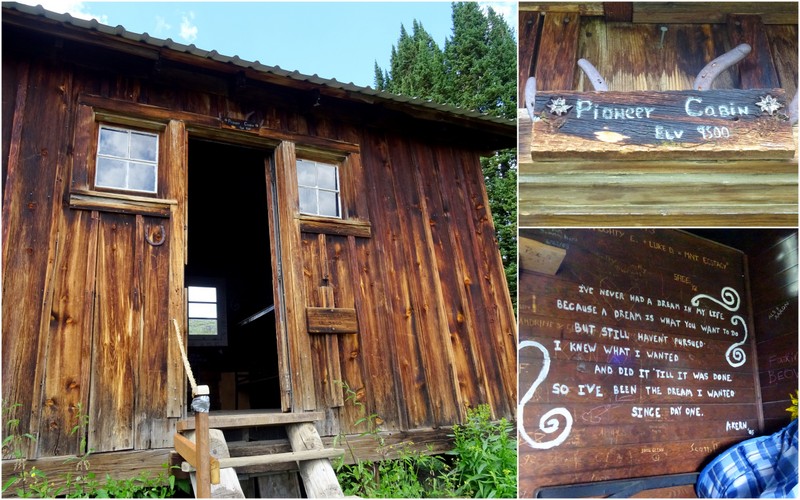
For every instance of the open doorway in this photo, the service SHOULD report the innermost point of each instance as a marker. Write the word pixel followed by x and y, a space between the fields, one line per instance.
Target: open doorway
pixel 231 317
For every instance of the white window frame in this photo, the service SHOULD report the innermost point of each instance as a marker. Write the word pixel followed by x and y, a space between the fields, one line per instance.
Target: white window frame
pixel 127 158
pixel 221 337
pixel 317 189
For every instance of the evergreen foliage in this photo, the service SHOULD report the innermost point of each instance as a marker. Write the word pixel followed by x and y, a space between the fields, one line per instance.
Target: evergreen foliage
pixel 475 71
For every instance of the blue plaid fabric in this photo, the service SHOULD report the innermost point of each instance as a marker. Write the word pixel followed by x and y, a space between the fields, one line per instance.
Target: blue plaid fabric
pixel 763 467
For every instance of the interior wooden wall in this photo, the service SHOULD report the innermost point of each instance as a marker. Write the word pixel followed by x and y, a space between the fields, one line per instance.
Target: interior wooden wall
pixel 626 48
pixel 436 327
pixel 606 439
pixel 774 284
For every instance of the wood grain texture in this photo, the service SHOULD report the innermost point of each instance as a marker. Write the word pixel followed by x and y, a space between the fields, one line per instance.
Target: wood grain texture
pixel 116 342
pixel 318 476
pixel 176 188
pixel 640 370
pixel 528 30
pixel 783 46
pixel 29 235
pixel 70 336
pixel 757 70
pixel 670 125
pixel 555 67
pixel 690 12
pixel 300 362
pixel 153 427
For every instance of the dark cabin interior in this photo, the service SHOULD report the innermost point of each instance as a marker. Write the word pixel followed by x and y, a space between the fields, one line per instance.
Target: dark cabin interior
pixel 228 243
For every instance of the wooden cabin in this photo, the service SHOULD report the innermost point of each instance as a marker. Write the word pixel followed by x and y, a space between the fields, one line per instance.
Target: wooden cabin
pixel 646 353
pixel 680 167
pixel 324 248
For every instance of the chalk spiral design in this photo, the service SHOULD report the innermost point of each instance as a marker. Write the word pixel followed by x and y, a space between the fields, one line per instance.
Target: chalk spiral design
pixel 729 299
pixel 548 423
pixel 735 351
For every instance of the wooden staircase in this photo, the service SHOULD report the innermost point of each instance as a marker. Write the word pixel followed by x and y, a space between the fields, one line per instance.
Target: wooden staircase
pixel 308 451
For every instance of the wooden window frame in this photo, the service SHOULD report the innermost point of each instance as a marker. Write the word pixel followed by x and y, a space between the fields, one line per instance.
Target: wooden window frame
pixel 132 124
pixel 221 338
pixel 83 193
pixel 348 223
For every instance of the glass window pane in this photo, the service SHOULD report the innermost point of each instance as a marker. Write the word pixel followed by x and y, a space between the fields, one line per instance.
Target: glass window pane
pixel 328 203
pixel 202 294
pixel 114 147
pixel 144 146
pixel 306 173
pixel 202 310
pixel 111 173
pixel 113 142
pixel 202 326
pixel 326 176
pixel 142 177
pixel 308 200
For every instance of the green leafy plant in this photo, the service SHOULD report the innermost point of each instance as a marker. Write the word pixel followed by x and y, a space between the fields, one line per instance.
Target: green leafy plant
pixel 81 426
pixel 25 483
pixel 164 485
pixel 483 462
pixel 486 456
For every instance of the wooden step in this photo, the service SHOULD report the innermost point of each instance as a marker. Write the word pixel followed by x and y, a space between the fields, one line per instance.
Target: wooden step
pixel 277 458
pixel 251 418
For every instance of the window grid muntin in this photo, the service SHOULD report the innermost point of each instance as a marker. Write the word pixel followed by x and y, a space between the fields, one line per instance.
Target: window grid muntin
pixel 335 189
pixel 129 160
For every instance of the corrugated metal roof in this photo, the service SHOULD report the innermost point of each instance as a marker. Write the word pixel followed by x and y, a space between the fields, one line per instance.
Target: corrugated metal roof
pixel 120 31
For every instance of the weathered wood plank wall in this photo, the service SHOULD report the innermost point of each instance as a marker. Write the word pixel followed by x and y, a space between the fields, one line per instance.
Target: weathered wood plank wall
pixel 88 322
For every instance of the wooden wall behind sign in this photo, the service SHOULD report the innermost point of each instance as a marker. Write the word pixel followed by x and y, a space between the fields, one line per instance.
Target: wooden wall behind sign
pixel 774 286
pixel 673 125
pixel 636 357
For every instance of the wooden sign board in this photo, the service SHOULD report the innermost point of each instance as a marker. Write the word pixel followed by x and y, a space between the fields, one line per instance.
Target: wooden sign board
pixel 714 124
pixel 636 357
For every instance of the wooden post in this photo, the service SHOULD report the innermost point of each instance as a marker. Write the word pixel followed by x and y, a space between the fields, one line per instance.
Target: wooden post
pixel 200 405
pixel 318 475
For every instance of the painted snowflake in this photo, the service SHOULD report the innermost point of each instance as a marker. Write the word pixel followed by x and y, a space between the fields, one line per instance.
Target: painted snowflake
pixel 558 106
pixel 769 104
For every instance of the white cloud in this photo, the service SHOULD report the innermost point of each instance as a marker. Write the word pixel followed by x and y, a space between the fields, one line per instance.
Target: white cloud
pixel 74 8
pixel 506 9
pixel 188 29
pixel 162 27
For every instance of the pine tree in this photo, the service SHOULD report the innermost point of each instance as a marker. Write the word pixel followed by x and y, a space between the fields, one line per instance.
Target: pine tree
pixel 476 71
pixel 415 66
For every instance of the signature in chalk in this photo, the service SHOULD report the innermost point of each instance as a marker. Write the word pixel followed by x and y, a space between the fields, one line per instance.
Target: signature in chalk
pixel 595 415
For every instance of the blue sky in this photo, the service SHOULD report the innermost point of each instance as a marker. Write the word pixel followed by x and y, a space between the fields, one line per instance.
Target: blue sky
pixel 340 40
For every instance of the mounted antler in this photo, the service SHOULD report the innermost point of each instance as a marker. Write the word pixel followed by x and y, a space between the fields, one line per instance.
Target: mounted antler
pixel 712 70
pixel 593 75
pixel 530 96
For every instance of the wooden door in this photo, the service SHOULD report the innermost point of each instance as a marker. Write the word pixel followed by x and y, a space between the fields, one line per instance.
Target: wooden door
pixel 128 392
pixel 134 254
